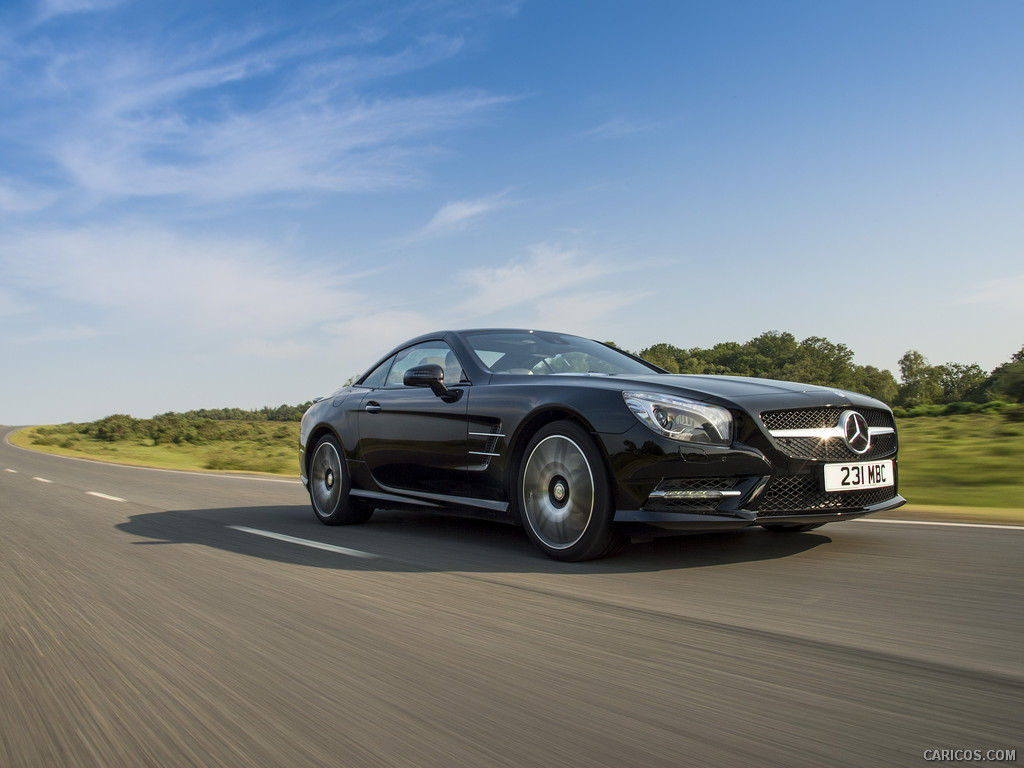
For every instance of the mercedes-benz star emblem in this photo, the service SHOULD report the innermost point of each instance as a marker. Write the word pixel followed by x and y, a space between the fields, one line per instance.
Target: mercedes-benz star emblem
pixel 855 431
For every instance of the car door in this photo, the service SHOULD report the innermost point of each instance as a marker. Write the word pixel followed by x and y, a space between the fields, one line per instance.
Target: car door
pixel 410 438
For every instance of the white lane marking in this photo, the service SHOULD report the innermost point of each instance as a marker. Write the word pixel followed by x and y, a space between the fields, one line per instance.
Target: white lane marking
pixel 305 542
pixel 99 495
pixel 948 525
pixel 42 480
pixel 12 471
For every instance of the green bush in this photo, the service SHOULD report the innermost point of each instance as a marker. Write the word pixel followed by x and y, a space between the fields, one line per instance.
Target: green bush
pixel 955 409
pixel 119 426
pixel 926 410
pixel 174 428
pixel 951 409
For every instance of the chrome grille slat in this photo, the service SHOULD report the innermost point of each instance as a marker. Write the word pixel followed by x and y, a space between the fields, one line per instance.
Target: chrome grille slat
pixel 835 450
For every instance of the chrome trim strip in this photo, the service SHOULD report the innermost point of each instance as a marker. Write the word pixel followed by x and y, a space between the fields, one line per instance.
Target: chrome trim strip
pixel 487 434
pixel 826 433
pixel 484 453
pixel 710 494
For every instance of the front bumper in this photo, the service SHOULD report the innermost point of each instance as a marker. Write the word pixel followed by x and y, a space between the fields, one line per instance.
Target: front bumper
pixel 689 521
pixel 662 484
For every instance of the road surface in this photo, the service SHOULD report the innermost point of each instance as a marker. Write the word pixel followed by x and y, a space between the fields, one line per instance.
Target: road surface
pixel 155 618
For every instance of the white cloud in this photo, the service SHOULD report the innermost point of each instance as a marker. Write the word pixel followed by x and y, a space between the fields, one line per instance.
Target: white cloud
pixel 551 287
pixel 582 313
pixel 297 146
pixel 547 272
pixel 565 288
pixel 48 9
pixel 242 115
pixel 210 289
pixel 17 197
pixel 371 331
pixel 619 127
pixel 460 214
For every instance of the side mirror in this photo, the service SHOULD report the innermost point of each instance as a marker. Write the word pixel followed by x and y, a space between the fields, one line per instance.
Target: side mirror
pixel 430 375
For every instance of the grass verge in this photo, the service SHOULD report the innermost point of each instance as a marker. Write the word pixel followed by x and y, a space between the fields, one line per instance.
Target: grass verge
pixel 260 447
pixel 962 461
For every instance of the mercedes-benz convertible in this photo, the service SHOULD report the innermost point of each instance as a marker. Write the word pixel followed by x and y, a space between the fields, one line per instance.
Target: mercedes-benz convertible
pixel 587 447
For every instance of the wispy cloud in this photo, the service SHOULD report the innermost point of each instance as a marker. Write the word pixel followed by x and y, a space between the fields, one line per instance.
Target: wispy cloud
pixel 49 9
pixel 17 197
pixel 297 146
pixel 552 283
pixel 232 116
pixel 618 127
pixel 460 214
pixel 210 291
pixel 372 330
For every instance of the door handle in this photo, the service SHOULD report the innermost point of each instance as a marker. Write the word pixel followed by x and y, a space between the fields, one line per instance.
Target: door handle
pixel 373 407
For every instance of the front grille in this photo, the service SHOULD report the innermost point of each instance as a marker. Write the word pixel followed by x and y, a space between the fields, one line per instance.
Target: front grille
pixel 695 484
pixel 820 418
pixel 832 449
pixel 835 449
pixel 802 495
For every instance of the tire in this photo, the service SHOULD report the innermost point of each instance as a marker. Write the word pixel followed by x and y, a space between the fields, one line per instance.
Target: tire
pixel 791 527
pixel 563 495
pixel 329 486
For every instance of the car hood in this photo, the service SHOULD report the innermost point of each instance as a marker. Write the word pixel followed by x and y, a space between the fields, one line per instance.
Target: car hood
pixel 756 394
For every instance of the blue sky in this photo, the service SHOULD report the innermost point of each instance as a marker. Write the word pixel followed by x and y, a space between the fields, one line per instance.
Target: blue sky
pixel 243 204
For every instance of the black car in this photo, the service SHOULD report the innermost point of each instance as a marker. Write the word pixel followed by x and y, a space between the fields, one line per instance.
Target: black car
pixel 587 446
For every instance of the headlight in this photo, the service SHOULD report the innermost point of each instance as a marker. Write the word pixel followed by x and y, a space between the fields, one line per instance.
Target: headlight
pixel 680 419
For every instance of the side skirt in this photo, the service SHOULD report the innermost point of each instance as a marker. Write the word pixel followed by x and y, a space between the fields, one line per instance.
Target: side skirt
pixel 435 501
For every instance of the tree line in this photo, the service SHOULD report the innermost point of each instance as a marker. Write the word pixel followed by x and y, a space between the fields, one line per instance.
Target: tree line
pixel 923 388
pixel 267 413
pixel 196 427
pixel 816 360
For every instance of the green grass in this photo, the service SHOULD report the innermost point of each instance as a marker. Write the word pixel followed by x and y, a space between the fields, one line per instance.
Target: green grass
pixel 972 460
pixel 245 446
pixel 962 461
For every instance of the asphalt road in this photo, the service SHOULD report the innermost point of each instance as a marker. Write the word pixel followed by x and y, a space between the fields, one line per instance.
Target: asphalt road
pixel 139 628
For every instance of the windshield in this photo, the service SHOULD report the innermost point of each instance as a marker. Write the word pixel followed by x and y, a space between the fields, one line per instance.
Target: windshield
pixel 537 353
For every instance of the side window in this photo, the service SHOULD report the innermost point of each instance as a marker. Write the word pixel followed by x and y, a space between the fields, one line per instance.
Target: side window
pixel 377 377
pixel 435 352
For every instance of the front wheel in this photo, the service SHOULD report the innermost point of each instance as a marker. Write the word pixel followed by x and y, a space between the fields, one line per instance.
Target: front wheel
pixel 563 495
pixel 329 486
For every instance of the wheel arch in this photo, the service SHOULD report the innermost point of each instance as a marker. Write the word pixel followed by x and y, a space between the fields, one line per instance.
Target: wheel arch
pixel 530 426
pixel 315 436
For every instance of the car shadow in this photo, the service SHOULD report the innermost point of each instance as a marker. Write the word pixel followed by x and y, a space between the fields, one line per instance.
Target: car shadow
pixel 417 541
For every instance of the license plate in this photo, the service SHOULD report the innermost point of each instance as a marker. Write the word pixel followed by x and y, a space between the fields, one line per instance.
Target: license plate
pixel 855 477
